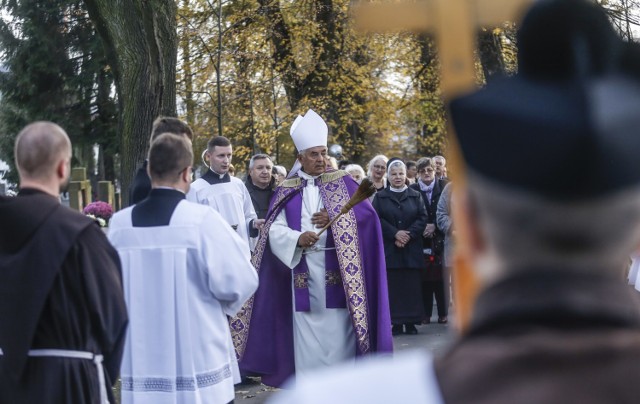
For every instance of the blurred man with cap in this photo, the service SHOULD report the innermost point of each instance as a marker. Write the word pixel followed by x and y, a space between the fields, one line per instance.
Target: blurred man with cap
pixel 554 321
pixel 322 300
pixel 548 240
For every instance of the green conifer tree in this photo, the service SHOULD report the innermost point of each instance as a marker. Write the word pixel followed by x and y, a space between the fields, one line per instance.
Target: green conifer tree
pixel 54 69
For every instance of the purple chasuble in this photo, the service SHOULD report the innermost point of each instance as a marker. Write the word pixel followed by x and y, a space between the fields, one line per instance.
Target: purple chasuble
pixel 263 330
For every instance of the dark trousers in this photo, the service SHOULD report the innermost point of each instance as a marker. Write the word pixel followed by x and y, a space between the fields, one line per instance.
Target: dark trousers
pixel 429 289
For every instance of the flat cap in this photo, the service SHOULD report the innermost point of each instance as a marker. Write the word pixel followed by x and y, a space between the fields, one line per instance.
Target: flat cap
pixel 565 129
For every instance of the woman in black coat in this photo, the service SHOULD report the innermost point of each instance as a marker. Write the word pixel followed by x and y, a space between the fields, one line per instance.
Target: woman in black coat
pixel 403 218
pixel 432 243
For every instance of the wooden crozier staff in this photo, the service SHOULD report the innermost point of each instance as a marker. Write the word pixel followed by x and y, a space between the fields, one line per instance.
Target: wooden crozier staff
pixel 364 191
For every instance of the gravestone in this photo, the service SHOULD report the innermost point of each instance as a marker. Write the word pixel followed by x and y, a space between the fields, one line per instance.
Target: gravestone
pixel 106 192
pixel 79 189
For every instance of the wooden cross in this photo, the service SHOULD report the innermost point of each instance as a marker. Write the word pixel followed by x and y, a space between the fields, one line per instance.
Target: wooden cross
pixel 454 24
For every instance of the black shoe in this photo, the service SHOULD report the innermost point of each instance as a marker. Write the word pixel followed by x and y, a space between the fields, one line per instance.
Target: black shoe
pixel 245 381
pixel 396 329
pixel 411 329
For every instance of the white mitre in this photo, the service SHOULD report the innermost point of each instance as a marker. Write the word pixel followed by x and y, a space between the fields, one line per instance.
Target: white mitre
pixel 295 123
pixel 309 131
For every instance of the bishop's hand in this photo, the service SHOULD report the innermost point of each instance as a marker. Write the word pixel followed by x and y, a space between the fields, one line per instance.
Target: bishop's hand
pixel 307 239
pixel 258 223
pixel 320 219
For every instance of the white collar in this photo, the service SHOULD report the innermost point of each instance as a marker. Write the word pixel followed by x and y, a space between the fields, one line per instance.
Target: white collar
pixel 404 187
pixel 306 176
pixel 220 175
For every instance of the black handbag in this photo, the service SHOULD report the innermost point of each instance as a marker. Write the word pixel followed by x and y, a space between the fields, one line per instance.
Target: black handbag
pixel 437 243
pixel 432 249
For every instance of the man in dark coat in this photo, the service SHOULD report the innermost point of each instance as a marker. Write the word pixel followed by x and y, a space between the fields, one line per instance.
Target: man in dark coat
pixel 260 183
pixel 141 185
pixel 62 311
pixel 440 166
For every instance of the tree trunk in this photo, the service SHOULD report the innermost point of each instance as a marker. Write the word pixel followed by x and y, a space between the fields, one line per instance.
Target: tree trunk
pixel 490 51
pixel 219 70
pixel 187 72
pixel 428 85
pixel 274 114
pixel 141 41
pixel 283 57
pixel 105 132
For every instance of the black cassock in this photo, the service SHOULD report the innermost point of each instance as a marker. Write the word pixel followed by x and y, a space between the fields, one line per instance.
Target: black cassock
pixel 60 288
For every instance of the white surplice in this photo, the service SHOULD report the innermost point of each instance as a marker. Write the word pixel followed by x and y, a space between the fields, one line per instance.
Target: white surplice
pixel 634 271
pixel 230 199
pixel 407 377
pixel 322 336
pixel 181 281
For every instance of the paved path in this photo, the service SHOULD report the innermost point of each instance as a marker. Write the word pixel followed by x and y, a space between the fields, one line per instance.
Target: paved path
pixel 433 337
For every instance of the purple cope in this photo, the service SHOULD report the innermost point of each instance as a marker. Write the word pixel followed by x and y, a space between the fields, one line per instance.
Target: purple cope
pixel 355 278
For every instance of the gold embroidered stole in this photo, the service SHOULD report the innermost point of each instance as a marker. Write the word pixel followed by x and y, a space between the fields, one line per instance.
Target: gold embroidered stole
pixel 345 232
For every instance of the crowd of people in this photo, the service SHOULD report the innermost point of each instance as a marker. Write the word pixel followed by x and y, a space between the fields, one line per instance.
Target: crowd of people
pixel 285 274
pixel 184 264
pixel 414 230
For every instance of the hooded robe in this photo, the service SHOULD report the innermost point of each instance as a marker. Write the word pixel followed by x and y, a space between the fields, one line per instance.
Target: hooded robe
pixel 60 288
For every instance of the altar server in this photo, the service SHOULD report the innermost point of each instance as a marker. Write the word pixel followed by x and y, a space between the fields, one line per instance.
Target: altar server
pixel 185 270
pixel 225 193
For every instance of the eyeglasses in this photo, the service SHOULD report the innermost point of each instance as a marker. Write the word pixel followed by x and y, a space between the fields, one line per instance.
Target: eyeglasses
pixel 426 170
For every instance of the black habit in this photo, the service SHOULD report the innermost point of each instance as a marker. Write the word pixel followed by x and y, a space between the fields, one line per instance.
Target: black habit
pixel 60 288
